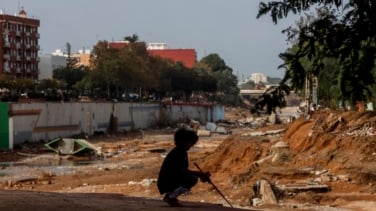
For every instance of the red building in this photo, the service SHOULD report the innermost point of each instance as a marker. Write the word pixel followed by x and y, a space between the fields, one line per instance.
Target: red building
pixel 186 56
pixel 19 46
pixel 118 44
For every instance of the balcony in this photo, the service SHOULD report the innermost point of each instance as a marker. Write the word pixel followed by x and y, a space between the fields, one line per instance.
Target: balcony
pixel 7 44
pixel 6 69
pixel 6 56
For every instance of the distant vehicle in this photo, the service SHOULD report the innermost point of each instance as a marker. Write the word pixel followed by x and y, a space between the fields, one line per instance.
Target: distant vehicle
pixel 130 97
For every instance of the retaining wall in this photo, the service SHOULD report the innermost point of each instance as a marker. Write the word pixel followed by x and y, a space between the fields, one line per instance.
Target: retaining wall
pixel 33 122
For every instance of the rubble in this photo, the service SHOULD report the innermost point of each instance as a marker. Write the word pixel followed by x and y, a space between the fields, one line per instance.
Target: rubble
pixel 303 187
pixel 265 192
pixel 265 133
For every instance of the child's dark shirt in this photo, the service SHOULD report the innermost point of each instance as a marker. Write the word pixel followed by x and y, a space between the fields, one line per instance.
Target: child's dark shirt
pixel 173 170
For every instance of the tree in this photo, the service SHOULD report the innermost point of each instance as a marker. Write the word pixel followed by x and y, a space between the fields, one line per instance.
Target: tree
pixel 184 80
pixel 46 84
pixel 6 81
pixel 131 39
pixel 138 48
pixel 131 69
pixel 226 81
pixel 106 65
pixel 214 62
pixel 343 30
pixel 206 81
pixel 70 75
pixel 71 62
pixel 159 76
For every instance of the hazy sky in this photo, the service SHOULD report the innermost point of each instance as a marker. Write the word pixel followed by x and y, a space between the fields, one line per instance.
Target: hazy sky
pixel 226 27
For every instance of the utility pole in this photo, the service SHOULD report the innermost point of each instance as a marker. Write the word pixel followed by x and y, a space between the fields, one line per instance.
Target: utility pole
pixel 315 85
pixel 307 95
pixel 311 87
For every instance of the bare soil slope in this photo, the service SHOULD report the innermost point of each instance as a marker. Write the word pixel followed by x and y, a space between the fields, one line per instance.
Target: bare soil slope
pixel 334 148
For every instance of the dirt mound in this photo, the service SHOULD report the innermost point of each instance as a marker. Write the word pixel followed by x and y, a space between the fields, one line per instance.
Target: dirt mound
pixel 341 143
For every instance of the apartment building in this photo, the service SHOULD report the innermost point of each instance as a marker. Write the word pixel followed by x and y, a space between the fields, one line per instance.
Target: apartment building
pixel 19 45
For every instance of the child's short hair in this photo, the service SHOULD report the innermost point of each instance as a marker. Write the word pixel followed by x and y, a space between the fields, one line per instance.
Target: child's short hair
pixel 184 135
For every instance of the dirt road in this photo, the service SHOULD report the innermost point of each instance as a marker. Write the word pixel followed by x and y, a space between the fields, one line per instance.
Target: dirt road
pixel 31 200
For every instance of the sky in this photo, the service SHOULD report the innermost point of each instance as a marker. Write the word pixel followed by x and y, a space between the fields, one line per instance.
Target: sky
pixel 228 28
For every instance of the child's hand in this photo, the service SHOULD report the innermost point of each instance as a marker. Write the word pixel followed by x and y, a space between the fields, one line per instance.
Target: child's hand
pixel 205 177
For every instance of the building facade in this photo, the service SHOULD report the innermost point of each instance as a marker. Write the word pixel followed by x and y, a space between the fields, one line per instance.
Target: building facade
pixel 19 46
pixel 82 57
pixel 258 78
pixel 186 56
pixel 50 62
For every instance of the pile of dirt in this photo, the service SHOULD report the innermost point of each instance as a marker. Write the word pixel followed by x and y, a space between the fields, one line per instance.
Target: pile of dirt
pixel 328 147
pixel 344 142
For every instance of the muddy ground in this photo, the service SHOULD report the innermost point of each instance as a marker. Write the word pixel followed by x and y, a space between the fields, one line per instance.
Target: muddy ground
pixel 323 162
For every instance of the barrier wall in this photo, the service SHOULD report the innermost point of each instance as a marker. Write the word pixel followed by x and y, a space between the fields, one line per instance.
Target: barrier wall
pixel 33 122
pixel 4 126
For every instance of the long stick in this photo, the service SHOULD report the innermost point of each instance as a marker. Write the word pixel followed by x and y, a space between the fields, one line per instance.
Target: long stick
pixel 215 187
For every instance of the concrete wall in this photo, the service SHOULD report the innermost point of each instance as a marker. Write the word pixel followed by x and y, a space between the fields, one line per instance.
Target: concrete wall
pixel 4 125
pixel 45 121
pixel 199 112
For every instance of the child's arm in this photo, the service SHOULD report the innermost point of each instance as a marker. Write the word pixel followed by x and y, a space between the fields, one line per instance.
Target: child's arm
pixel 204 176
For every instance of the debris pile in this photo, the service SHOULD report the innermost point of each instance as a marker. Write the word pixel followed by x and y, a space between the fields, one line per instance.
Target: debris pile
pixel 325 153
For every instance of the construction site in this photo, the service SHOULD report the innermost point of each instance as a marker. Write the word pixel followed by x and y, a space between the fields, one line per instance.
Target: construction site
pixel 323 161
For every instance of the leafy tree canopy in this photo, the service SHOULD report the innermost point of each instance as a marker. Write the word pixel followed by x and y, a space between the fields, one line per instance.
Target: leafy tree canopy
pixel 344 30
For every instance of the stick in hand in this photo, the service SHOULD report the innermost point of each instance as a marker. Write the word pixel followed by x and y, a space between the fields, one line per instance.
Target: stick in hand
pixel 215 187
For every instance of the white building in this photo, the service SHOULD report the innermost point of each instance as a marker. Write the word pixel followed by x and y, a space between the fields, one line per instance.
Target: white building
pixel 157 46
pixel 258 78
pixel 50 62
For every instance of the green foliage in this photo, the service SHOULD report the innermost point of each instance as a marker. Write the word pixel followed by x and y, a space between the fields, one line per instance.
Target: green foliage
pixel 341 33
pixel 115 71
pixel 226 81
pixel 214 62
pixel 69 75
pixel 130 70
pixel 50 84
pixel 132 39
pixel 273 80
pixel 7 82
pixel 16 85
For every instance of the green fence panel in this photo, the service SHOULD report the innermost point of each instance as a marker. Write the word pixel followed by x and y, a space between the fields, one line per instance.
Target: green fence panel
pixel 4 125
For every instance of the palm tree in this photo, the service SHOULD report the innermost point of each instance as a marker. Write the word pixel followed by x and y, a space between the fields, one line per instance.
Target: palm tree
pixel 131 39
